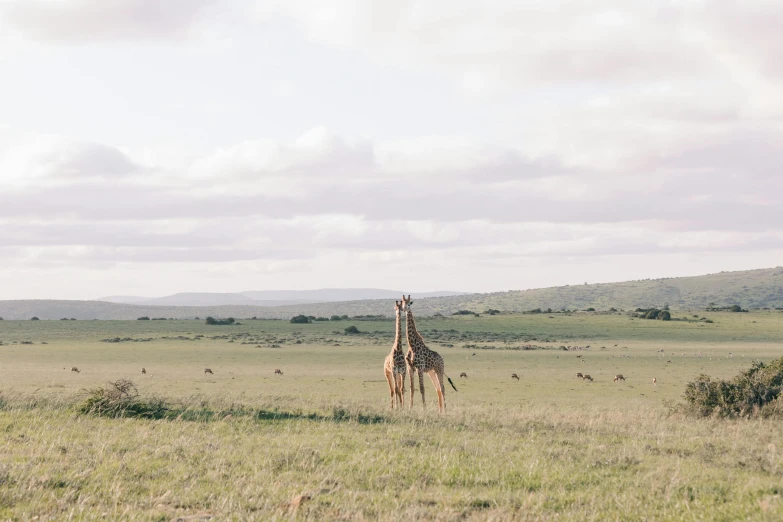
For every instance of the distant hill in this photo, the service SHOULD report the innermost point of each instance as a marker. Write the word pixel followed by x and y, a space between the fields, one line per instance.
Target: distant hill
pixel 749 289
pixel 269 297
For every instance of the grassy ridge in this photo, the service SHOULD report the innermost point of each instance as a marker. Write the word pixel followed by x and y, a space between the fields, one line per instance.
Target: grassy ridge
pixel 751 288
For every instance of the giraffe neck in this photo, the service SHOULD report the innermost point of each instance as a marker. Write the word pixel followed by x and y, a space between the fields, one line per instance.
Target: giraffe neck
pixel 398 335
pixel 413 334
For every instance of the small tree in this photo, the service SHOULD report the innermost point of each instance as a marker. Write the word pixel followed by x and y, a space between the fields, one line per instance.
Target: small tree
pixel 665 315
pixel 143 318
pixel 34 319
pixel 352 330
pixel 301 319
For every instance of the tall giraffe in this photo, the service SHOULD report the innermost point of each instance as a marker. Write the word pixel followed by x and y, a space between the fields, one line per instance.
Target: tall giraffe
pixel 422 359
pixel 395 365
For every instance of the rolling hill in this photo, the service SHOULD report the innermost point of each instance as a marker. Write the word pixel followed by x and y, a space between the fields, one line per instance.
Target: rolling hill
pixel 268 297
pixel 749 289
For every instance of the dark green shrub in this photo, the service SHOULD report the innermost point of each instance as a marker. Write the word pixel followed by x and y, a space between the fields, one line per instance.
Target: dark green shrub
pixel 143 318
pixel 34 319
pixel 301 319
pixel 756 391
pixel 352 330
pixel 219 322
pixel 652 314
pixel 665 315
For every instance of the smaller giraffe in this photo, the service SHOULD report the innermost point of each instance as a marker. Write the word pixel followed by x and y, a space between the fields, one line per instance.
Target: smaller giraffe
pixel 395 366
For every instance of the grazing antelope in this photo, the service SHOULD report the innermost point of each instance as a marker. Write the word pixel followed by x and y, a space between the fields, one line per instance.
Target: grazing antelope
pixel 515 376
pixel 463 374
pixel 655 381
pixel 587 378
pixel 618 377
pixel 75 369
pixel 143 371
pixel 208 370
pixel 580 375
pixel 278 371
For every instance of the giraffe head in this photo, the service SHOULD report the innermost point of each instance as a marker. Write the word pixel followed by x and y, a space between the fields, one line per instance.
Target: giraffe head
pixel 406 302
pixel 397 307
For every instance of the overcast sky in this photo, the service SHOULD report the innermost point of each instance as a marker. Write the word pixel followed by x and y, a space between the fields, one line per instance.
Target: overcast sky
pixel 152 147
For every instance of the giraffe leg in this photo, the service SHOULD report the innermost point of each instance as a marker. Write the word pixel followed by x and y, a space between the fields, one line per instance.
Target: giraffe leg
pixel 442 379
pixel 400 386
pixel 421 387
pixel 411 371
pixel 390 380
pixel 438 388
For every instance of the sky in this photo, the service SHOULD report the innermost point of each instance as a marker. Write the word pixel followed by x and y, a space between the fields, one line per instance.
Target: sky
pixel 149 147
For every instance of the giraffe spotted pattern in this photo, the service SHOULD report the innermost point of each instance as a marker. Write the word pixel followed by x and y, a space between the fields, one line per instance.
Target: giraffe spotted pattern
pixel 423 360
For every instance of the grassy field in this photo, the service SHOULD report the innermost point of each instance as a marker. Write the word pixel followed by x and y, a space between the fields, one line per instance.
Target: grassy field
pixel 246 442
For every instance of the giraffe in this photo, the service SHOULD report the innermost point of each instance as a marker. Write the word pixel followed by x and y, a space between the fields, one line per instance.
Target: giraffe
pixel 422 359
pixel 395 366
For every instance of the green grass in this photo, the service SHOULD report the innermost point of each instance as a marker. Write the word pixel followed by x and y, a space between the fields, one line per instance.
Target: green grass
pixel 241 443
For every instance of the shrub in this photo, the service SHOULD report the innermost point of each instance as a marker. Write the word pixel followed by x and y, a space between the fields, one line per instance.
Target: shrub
pixel 143 318
pixel 491 311
pixel 321 319
pixel 464 312
pixel 352 330
pixel 301 319
pixel 336 318
pixel 665 315
pixel 652 314
pixel 121 399
pixel 219 322
pixel 34 319
pixel 756 391
pixel 591 309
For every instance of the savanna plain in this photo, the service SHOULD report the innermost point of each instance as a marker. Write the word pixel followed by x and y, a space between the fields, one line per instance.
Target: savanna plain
pixel 321 442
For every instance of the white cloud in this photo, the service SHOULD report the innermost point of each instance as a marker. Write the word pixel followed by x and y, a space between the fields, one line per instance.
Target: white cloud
pixel 96 20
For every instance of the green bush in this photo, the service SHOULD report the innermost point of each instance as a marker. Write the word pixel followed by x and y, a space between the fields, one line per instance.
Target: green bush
pixel 352 330
pixel 121 399
pixel 220 322
pixel 143 318
pixel 756 391
pixel 301 319
pixel 665 315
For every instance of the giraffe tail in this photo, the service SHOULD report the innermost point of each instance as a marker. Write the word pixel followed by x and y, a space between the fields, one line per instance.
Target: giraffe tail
pixel 452 384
